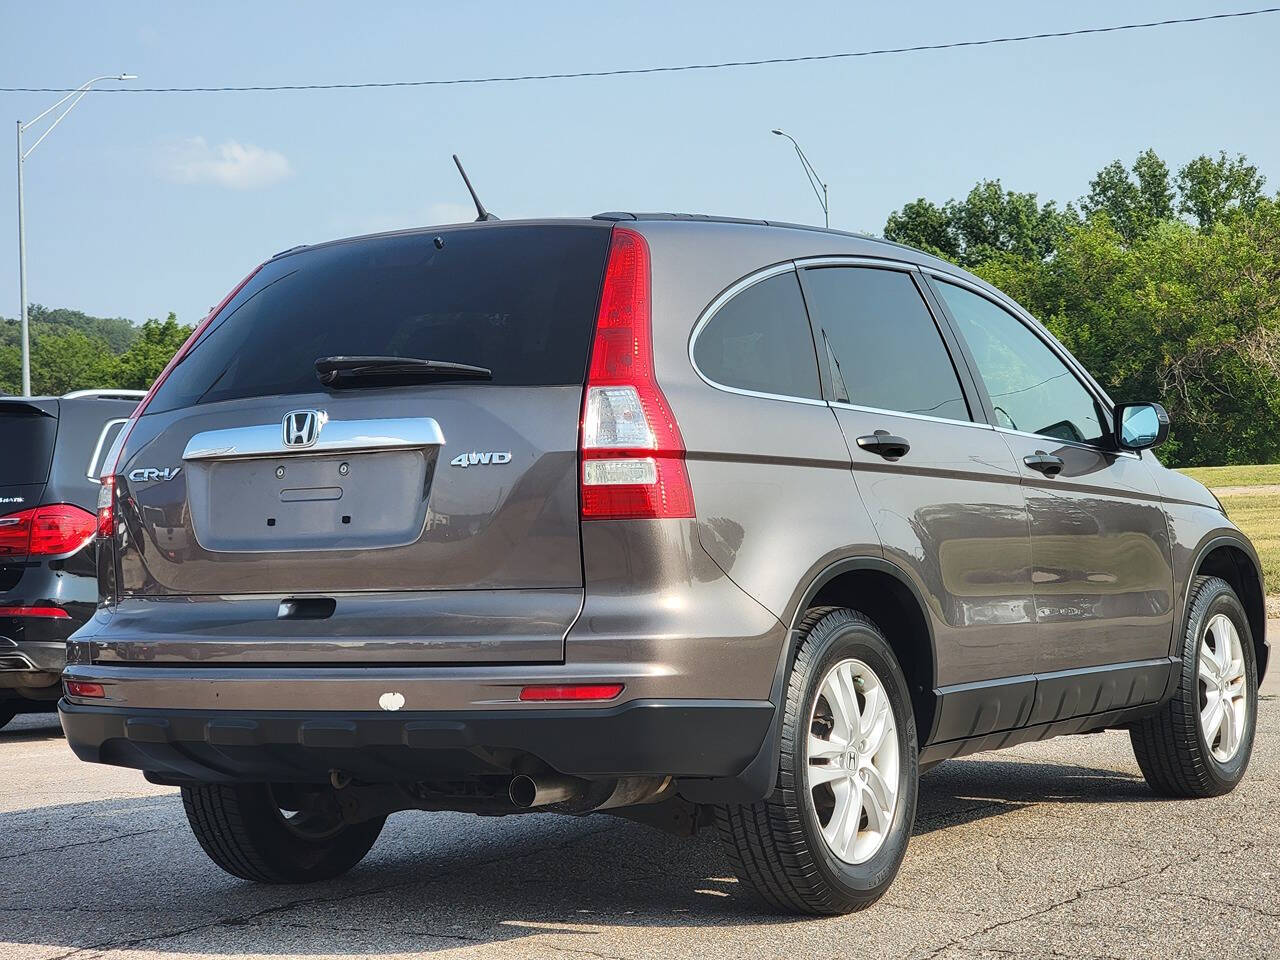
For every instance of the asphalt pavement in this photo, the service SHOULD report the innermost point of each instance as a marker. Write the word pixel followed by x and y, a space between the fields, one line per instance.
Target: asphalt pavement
pixel 1051 849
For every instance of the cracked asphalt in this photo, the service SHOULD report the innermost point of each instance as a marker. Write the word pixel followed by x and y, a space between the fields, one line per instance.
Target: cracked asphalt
pixel 1052 849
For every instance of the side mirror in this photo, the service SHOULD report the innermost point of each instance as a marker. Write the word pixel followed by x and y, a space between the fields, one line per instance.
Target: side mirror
pixel 1141 425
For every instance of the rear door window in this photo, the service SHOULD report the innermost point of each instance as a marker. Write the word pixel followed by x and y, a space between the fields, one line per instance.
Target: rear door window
pixel 759 341
pixel 520 300
pixel 884 349
pixel 27 436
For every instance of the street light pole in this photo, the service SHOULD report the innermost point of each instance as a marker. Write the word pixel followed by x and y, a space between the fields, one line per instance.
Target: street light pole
pixel 815 181
pixel 77 93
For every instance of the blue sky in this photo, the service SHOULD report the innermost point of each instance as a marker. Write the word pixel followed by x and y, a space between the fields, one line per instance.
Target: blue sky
pixel 140 204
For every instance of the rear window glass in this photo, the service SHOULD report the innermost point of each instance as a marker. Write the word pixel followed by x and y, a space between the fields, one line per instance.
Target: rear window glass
pixel 520 300
pixel 27 437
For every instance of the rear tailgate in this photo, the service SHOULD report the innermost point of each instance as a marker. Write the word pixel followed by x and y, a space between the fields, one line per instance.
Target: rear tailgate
pixel 456 502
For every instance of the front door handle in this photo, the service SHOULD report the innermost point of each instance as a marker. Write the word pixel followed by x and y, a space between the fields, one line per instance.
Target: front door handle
pixel 885 444
pixel 1046 463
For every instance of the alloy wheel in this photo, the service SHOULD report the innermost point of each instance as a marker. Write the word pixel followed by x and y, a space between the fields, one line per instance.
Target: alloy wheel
pixel 852 761
pixel 1223 698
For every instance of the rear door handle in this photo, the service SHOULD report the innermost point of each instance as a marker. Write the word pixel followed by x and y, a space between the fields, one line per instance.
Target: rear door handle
pixel 1046 463
pixel 885 444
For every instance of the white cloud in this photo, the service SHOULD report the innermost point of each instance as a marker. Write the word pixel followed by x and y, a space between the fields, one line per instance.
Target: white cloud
pixel 240 166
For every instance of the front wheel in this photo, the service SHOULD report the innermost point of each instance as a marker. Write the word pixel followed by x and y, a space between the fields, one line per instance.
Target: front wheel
pixel 276 834
pixel 1199 744
pixel 832 835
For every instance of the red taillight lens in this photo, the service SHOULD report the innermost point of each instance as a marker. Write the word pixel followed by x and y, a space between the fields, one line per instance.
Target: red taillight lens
pixel 107 507
pixel 573 691
pixel 46 612
pixel 79 688
pixel 632 452
pixel 48 531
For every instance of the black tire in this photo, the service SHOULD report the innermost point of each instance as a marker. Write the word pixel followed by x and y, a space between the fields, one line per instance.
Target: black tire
pixel 777 845
pixel 7 713
pixel 243 830
pixel 1170 746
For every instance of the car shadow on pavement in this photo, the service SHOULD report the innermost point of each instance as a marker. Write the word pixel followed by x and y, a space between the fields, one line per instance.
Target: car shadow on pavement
pixel 127 871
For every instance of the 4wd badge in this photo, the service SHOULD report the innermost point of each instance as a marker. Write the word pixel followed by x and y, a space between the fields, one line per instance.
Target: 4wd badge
pixel 473 459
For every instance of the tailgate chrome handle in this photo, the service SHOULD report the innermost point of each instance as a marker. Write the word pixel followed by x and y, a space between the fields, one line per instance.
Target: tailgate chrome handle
pixel 335 436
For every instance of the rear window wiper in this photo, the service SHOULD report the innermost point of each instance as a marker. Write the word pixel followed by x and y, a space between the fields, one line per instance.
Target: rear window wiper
pixel 382 371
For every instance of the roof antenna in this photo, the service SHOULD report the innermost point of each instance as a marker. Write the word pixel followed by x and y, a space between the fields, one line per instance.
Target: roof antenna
pixel 482 213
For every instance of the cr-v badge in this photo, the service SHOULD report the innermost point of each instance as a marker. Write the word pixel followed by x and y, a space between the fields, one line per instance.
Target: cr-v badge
pixel 147 474
pixel 473 459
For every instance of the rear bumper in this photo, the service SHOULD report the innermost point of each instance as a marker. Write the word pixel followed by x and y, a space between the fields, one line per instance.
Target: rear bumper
pixel 681 738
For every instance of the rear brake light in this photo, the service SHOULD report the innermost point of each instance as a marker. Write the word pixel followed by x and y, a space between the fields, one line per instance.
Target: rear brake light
pixel 573 691
pixel 49 613
pixel 48 531
pixel 632 452
pixel 107 507
pixel 79 688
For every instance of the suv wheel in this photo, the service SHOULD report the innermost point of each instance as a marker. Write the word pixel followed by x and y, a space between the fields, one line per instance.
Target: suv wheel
pixel 1198 745
pixel 832 835
pixel 276 834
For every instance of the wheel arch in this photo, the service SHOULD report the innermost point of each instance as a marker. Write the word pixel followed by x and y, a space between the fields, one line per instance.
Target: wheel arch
pixel 1234 560
pixel 884 592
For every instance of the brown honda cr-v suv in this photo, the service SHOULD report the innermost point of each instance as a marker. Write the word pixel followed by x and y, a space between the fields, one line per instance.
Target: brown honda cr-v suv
pixel 701 522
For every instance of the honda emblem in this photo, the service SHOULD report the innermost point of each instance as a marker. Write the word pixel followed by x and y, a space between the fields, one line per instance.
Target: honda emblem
pixel 301 428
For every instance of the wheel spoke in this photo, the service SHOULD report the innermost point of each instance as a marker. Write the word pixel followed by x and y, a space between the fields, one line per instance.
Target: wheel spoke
pixel 1209 670
pixel 820 749
pixel 820 773
pixel 1211 718
pixel 879 799
pixel 845 723
pixel 879 726
pixel 834 829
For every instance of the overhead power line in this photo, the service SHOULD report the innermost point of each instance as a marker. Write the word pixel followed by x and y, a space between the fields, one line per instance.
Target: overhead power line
pixel 678 68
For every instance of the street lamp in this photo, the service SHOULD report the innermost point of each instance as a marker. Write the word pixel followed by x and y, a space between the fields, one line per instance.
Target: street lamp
pixel 815 181
pixel 77 93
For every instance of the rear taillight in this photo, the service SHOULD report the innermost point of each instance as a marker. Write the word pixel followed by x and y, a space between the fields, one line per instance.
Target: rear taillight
pixel 107 507
pixel 543 692
pixel 43 612
pixel 632 452
pixel 48 531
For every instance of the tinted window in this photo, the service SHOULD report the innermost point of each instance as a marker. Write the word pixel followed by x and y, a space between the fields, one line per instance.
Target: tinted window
pixel 520 300
pixel 1031 389
pixel 760 341
pixel 885 350
pixel 26 436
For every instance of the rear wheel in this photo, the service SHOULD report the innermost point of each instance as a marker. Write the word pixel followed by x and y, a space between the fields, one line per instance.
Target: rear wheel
pixel 832 835
pixel 1199 744
pixel 276 834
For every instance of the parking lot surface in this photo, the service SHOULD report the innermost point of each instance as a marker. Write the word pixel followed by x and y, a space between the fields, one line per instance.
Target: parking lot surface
pixel 1052 849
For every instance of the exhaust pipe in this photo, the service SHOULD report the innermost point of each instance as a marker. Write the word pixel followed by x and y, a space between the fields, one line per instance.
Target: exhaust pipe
pixel 526 791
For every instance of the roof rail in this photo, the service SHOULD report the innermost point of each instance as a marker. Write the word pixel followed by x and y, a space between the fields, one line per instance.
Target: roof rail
pixel 106 394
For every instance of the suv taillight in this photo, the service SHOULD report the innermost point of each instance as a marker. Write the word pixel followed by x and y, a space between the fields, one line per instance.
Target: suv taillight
pixel 48 531
pixel 106 508
pixel 632 452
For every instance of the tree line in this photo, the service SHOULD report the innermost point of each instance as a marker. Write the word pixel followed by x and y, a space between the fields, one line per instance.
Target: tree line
pixel 71 350
pixel 1166 286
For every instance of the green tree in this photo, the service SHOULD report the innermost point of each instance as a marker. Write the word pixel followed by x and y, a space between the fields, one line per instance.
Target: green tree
pixel 991 221
pixel 1133 202
pixel 156 343
pixel 1212 190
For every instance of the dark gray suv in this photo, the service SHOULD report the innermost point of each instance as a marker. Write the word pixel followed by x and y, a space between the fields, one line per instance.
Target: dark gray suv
pixel 700 522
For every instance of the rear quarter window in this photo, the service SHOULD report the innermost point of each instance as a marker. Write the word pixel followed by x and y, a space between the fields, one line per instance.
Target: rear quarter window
pixel 520 300
pixel 760 341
